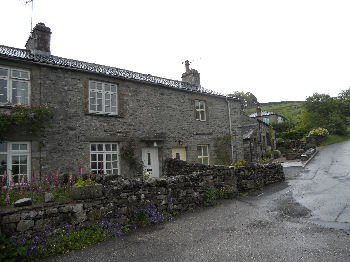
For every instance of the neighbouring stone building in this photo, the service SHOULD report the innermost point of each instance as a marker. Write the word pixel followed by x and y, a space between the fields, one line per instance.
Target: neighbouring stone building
pixel 256 138
pixel 104 118
pixel 267 117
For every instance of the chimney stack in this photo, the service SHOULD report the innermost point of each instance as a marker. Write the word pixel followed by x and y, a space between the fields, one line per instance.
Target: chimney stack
pixel 191 75
pixel 39 40
pixel 258 111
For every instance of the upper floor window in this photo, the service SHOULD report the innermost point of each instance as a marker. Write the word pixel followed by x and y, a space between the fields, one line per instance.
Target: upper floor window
pixel 14 86
pixel 203 154
pixel 15 161
pixel 200 110
pixel 266 120
pixel 103 98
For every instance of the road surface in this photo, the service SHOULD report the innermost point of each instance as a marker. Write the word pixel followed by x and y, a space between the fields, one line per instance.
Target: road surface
pixel 305 218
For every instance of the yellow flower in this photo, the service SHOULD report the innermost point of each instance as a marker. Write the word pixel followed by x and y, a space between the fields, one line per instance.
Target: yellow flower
pixel 3 247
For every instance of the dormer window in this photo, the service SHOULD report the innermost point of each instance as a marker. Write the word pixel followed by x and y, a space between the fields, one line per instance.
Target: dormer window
pixel 103 98
pixel 14 86
pixel 200 110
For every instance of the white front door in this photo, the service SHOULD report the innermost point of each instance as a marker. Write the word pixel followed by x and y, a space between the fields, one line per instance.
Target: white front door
pixel 150 161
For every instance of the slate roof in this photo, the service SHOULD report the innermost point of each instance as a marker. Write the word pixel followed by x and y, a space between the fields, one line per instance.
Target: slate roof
pixel 263 113
pixel 26 55
pixel 248 134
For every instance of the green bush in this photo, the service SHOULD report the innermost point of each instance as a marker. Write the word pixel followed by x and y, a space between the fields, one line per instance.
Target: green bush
pixel 214 194
pixel 276 153
pixel 282 149
pixel 86 182
pixel 308 146
pixel 268 154
pixel 319 132
pixel 11 252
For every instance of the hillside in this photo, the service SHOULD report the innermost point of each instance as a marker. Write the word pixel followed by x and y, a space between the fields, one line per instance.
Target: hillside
pixel 290 110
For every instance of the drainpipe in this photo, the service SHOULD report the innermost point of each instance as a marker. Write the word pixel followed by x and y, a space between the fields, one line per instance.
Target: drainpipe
pixel 40 138
pixel 230 124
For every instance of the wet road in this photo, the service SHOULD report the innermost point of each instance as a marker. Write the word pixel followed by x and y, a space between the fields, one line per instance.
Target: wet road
pixel 291 221
pixel 324 186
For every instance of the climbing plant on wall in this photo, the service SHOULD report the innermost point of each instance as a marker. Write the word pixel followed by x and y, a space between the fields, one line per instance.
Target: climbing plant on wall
pixel 223 150
pixel 29 119
pixel 127 153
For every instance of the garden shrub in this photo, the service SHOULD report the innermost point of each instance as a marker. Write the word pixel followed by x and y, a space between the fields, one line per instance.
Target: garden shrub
pixel 319 132
pixel 276 153
pixel 214 194
pixel 240 163
pixel 308 146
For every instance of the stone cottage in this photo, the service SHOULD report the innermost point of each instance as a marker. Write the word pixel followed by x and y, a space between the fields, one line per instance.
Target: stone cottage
pixel 256 138
pixel 106 119
pixel 267 117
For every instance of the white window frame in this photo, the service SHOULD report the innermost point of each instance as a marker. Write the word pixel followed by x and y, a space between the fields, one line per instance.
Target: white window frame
pixel 104 152
pixel 10 79
pixel 10 153
pixel 198 110
pixel 202 156
pixel 106 90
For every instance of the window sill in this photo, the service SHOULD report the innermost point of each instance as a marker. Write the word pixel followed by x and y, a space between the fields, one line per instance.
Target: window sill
pixel 10 106
pixel 105 115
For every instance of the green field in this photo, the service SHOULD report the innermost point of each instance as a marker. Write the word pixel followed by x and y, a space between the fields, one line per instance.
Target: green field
pixel 289 110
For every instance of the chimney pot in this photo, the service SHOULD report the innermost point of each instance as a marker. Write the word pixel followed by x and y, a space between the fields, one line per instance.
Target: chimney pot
pixel 258 111
pixel 191 75
pixel 187 66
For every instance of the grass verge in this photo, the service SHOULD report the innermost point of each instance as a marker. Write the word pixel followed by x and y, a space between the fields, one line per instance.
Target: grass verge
pixel 335 139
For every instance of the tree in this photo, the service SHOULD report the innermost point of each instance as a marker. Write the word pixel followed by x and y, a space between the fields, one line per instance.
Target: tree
pixel 247 99
pixel 344 98
pixel 321 110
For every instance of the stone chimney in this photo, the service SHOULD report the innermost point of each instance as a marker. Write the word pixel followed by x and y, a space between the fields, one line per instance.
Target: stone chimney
pixel 39 40
pixel 258 111
pixel 191 75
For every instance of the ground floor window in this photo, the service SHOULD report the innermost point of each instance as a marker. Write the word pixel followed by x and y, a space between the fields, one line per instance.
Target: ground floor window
pixel 104 158
pixel 203 155
pixel 15 161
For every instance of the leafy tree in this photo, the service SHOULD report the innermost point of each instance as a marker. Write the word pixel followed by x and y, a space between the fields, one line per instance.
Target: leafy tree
pixel 321 110
pixel 247 99
pixel 344 98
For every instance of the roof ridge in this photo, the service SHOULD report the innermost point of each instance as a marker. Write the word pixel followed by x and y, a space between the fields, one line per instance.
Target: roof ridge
pixel 103 69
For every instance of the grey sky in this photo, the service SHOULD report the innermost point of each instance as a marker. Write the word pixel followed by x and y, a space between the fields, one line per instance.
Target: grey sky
pixel 276 49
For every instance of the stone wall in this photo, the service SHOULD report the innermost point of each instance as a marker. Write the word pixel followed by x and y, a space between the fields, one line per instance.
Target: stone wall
pixel 122 196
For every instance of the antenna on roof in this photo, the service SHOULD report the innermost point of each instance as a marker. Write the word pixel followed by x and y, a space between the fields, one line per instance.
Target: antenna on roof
pixel 31 17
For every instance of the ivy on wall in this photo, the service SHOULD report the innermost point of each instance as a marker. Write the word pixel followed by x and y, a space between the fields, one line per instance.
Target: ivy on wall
pixel 223 150
pixel 30 119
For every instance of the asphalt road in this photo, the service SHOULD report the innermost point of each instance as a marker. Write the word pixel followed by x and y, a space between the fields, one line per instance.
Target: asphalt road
pixel 305 218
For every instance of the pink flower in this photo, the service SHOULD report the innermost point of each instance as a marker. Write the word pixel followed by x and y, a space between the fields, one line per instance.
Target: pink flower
pixel 5 176
pixel 124 134
pixel 7 198
pixel 33 177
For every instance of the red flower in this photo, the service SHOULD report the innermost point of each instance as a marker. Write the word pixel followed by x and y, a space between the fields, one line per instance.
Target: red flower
pixel 132 147
pixel 124 134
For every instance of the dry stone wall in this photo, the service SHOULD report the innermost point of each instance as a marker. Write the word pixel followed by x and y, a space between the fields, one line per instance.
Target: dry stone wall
pixel 122 196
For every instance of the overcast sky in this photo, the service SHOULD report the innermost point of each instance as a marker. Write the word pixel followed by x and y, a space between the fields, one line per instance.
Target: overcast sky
pixel 280 50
